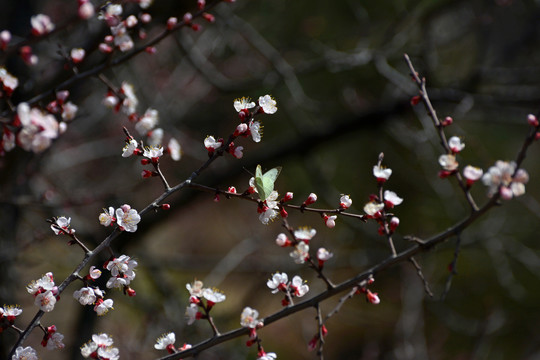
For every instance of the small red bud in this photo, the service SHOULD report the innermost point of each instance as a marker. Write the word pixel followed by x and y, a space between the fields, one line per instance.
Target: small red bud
pixel 532 120
pixel 146 174
pixel 288 196
pixel 209 17
pixel 165 206
pixel 130 292
pixel 415 100
pixel 447 121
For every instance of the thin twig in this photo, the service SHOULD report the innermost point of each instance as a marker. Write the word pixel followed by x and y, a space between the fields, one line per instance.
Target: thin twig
pixel 421 276
pixel 452 268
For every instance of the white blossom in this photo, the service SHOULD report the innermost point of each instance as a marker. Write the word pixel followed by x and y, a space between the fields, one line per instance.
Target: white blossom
pixel 164 341
pixel 127 218
pixel 249 318
pixel 27 353
pixel 267 104
pixel 243 103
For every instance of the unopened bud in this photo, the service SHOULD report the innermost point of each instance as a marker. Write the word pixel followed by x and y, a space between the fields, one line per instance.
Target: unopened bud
pixel 171 23
pixel 311 199
pixel 532 120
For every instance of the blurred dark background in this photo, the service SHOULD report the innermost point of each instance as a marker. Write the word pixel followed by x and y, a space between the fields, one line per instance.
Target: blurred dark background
pixel 336 69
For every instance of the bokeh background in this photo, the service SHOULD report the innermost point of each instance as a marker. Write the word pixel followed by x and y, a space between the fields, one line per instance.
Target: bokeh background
pixel 336 69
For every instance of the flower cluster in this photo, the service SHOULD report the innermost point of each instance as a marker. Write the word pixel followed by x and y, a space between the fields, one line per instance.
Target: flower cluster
pixel 198 294
pixel 301 240
pixel 122 273
pixel 38 129
pixel 94 296
pixel 120 28
pixel 295 288
pixel 126 218
pixel 63 108
pixel 44 291
pixel 101 348
pixel 503 178
pixel 377 208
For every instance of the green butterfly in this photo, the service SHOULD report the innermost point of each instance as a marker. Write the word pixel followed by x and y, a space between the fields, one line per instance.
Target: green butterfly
pixel 265 183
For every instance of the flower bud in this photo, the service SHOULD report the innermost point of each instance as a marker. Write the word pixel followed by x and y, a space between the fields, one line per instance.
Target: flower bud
pixel 447 121
pixel 311 199
pixel 532 120
pixel 171 23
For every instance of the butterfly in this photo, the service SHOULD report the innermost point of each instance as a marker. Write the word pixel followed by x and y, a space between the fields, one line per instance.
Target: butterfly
pixel 265 182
